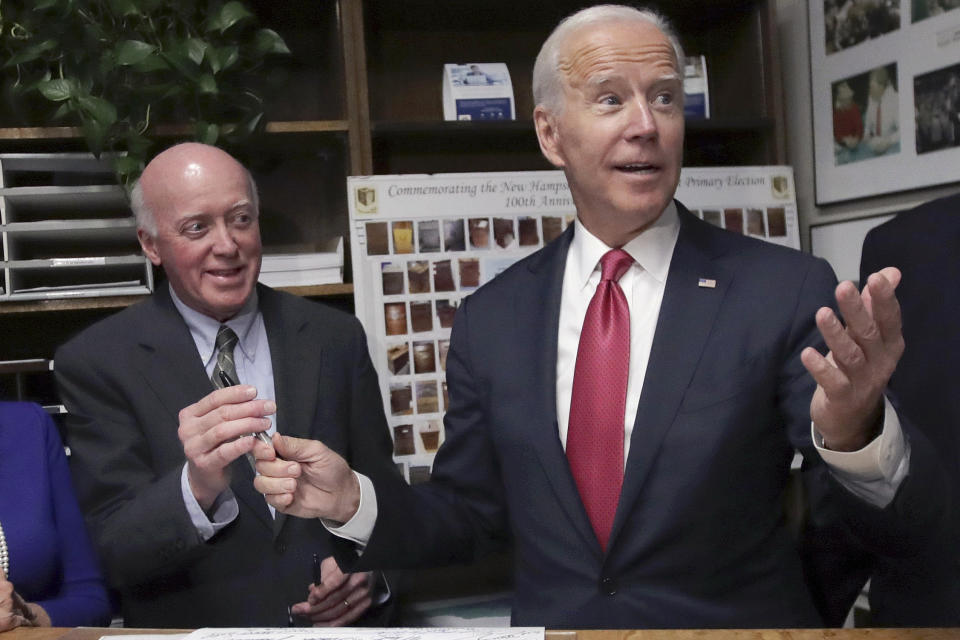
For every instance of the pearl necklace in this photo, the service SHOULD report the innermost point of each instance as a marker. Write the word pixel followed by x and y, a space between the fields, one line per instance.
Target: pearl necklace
pixel 4 556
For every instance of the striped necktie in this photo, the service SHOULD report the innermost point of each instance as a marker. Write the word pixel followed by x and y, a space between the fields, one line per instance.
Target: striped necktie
pixel 225 371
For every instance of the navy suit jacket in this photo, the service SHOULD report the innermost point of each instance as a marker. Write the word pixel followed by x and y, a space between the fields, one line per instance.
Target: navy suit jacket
pixel 924 244
pixel 124 381
pixel 700 538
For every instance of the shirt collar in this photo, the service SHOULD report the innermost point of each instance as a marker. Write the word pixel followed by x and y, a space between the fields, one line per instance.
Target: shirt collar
pixel 204 329
pixel 651 250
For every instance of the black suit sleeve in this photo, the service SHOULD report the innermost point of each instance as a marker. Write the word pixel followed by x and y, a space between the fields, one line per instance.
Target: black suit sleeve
pixel 369 451
pixel 846 538
pixel 137 517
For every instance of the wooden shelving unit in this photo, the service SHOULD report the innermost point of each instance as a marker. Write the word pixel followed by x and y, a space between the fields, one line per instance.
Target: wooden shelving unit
pixel 362 94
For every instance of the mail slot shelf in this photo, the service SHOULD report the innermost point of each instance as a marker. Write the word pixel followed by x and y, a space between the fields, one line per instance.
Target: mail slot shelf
pixel 66 230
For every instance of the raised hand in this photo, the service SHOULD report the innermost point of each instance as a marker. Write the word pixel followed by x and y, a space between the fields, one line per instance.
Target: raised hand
pixel 847 405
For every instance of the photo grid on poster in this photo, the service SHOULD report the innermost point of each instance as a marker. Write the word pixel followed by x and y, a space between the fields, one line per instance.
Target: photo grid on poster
pixel 414 264
pixel 421 244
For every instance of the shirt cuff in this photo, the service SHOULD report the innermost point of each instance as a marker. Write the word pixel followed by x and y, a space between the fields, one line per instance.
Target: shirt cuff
pixel 359 528
pixel 223 512
pixel 873 473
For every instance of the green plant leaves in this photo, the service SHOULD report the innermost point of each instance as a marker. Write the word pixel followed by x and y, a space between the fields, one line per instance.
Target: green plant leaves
pixel 98 109
pixel 269 41
pixel 120 68
pixel 207 132
pixel 31 52
pixel 206 84
pixel 95 134
pixel 131 52
pixel 57 90
pixel 124 7
pixel 126 165
pixel 153 62
pixel 41 5
pixel 229 15
pixel 222 58
pixel 195 48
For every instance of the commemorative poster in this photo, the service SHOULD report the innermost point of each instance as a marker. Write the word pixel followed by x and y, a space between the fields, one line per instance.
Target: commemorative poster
pixel 422 243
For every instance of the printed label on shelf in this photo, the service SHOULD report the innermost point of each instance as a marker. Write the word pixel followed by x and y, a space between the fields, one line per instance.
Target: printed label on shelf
pixel 76 262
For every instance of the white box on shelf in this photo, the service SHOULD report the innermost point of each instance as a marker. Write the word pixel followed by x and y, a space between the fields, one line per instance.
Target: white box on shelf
pixel 696 89
pixel 302 269
pixel 477 91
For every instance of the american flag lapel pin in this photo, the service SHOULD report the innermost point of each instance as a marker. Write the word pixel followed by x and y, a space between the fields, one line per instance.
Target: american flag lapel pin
pixel 707 283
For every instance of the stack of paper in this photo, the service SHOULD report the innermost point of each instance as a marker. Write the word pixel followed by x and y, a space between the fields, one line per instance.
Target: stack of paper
pixel 302 269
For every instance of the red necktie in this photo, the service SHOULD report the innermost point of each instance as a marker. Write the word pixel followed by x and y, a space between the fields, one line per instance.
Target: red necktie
pixel 598 403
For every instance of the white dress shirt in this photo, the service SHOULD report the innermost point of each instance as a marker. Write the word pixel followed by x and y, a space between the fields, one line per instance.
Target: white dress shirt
pixel 643 285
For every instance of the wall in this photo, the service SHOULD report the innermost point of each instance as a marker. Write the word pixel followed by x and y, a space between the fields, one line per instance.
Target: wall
pixel 792 33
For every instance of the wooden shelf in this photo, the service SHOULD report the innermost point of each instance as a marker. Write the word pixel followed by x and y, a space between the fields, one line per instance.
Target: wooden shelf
pixel 453 127
pixel 321 290
pixel 118 302
pixel 62 133
pixel 67 304
pixel 385 129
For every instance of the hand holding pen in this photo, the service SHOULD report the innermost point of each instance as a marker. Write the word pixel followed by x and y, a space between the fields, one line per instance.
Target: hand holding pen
pixel 335 598
pixel 212 433
pixel 228 382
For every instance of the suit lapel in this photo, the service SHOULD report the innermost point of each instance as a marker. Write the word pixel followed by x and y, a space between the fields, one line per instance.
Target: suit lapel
pixel 686 319
pixel 167 356
pixel 296 351
pixel 538 319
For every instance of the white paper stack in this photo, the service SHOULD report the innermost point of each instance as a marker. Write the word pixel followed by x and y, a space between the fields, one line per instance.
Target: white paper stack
pixel 477 92
pixel 302 269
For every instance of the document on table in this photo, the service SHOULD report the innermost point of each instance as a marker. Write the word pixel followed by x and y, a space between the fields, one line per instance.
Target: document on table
pixel 369 633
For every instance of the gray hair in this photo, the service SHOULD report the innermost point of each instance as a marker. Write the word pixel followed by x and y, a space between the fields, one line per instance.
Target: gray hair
pixel 145 217
pixel 547 84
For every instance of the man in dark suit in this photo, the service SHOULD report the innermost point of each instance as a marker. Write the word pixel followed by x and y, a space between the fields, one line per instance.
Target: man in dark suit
pixel 924 244
pixel 158 438
pixel 625 403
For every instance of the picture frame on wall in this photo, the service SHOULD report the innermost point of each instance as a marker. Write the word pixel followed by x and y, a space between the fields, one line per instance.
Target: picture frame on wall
pixel 885 86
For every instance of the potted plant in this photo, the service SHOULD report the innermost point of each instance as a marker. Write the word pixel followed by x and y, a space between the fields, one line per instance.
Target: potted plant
pixel 117 68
